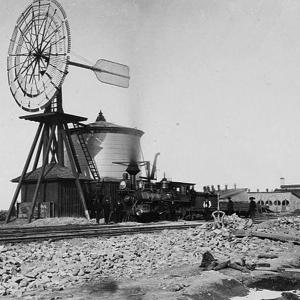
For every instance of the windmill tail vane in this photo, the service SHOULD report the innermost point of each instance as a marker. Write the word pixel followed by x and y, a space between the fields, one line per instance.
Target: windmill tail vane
pixel 108 72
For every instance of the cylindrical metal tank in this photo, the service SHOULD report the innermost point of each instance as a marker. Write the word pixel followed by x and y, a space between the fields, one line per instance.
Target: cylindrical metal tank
pixel 108 143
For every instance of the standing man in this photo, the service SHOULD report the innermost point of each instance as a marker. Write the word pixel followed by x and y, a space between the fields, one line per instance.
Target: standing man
pixel 193 196
pixel 206 206
pixel 119 212
pixel 98 207
pixel 230 209
pixel 106 210
pixel 173 211
pixel 252 208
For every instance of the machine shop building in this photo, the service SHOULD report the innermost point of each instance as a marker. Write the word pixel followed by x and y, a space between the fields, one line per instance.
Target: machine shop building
pixel 279 200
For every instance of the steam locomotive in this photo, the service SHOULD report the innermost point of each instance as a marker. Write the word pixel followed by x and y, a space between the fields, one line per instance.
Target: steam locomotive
pixel 145 199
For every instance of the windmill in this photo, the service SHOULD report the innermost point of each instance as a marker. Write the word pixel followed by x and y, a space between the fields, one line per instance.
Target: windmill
pixel 37 64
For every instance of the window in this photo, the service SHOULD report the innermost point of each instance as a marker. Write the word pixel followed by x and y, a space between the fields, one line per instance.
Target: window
pixel 260 202
pixel 285 202
pixel 277 202
pixel 269 202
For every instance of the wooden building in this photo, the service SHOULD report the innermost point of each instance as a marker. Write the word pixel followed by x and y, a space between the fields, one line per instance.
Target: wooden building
pixel 58 196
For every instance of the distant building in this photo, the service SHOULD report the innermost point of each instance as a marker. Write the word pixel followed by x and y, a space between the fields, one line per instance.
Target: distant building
pixel 279 200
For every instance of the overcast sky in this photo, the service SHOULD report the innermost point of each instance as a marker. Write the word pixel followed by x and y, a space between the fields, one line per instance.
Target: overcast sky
pixel 214 85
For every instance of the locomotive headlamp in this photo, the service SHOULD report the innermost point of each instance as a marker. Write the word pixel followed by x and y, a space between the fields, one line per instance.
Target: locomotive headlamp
pixel 141 185
pixel 122 185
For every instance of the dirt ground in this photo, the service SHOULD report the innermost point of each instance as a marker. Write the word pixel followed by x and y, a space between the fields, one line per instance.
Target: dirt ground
pixel 178 283
pixel 163 265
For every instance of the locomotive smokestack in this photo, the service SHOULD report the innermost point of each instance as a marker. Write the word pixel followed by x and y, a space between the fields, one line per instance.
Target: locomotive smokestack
pixel 132 170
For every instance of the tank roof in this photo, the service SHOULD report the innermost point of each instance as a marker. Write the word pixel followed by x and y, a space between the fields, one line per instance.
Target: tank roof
pixel 102 125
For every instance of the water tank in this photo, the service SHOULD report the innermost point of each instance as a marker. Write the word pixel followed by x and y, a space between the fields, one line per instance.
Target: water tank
pixel 108 143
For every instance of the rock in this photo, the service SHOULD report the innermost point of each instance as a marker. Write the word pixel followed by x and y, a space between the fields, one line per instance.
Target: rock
pixel 94 256
pixel 32 274
pixel 24 282
pixel 16 293
pixel 81 272
pixel 176 287
pixel 207 259
pixel 3 249
pixel 76 258
pixel 289 296
pixel 44 279
pixel 18 279
pixel 75 272
pixel 217 231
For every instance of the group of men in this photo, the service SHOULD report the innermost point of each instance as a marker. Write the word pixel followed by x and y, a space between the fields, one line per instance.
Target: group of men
pixel 230 208
pixel 102 207
pixel 251 210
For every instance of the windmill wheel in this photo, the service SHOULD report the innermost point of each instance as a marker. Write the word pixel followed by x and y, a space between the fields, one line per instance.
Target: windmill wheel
pixel 38 54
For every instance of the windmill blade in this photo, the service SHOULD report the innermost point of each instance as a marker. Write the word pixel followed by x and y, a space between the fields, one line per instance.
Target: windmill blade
pixel 112 73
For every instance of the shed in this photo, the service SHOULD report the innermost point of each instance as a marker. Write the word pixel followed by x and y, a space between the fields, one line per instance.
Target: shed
pixel 58 196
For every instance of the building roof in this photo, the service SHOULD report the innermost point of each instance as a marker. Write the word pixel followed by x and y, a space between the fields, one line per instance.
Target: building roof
pixel 231 192
pixel 276 193
pixel 290 186
pixel 53 171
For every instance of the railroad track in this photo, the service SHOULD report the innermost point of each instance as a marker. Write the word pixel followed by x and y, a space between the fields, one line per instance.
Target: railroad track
pixel 41 233
pixel 30 234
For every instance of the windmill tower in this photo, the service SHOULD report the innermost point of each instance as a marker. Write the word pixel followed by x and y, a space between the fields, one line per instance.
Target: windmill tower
pixel 37 63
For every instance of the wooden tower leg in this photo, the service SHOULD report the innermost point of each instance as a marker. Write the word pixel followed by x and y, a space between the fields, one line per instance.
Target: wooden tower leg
pixel 74 171
pixel 17 191
pixel 38 154
pixel 45 161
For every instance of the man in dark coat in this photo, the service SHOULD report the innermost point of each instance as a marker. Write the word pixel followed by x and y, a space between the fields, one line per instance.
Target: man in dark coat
pixel 230 209
pixel 98 207
pixel 119 212
pixel 252 208
pixel 173 211
pixel 106 210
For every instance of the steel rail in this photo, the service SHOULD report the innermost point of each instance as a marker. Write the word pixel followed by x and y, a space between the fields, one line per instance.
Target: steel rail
pixel 15 235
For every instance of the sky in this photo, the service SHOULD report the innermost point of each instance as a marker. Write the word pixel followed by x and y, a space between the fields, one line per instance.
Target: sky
pixel 214 85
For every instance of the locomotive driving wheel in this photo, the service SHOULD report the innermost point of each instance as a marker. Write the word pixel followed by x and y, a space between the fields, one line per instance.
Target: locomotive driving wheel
pixel 38 54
